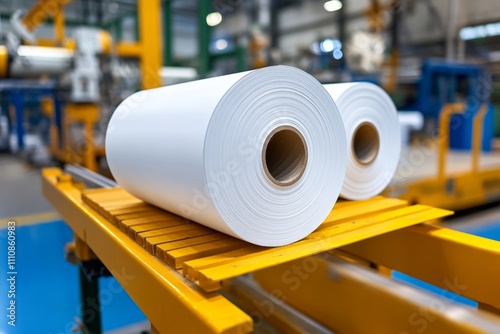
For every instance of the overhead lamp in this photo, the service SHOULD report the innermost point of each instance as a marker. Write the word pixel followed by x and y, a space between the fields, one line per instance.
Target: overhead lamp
pixel 327 45
pixel 221 44
pixel 332 5
pixel 480 31
pixel 214 19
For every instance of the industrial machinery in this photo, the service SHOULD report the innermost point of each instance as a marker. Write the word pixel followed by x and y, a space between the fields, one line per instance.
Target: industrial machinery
pixel 77 67
pixel 75 70
pixel 432 174
pixel 188 278
pixel 452 165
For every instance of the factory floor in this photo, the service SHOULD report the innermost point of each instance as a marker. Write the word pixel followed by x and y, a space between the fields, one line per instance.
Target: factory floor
pixel 47 285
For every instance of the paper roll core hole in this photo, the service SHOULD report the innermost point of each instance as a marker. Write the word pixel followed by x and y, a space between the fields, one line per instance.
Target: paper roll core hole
pixel 365 143
pixel 284 156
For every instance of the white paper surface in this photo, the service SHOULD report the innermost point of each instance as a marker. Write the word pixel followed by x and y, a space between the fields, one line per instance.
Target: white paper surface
pixel 365 103
pixel 196 149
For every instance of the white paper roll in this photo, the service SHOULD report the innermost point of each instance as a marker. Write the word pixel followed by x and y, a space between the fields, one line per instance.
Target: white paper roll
pixel 373 137
pixel 259 155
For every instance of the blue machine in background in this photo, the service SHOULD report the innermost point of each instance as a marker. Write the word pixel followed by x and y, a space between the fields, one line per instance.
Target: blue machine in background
pixel 446 82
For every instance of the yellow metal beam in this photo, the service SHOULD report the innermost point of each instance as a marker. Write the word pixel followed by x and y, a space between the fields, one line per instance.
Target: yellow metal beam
pixel 458 192
pixel 128 49
pixel 4 61
pixel 447 111
pixel 269 310
pixel 349 298
pixel 149 12
pixel 59 26
pixel 42 10
pixel 456 261
pixel 477 136
pixel 169 301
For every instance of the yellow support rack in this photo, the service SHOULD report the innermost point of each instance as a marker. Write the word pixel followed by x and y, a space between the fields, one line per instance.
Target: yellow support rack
pixel 173 268
pixel 454 190
pixel 440 256
pixel 350 298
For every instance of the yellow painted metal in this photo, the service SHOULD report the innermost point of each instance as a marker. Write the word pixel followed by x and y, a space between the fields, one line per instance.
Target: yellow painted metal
pixel 477 136
pixel 270 313
pixel 458 191
pixel 59 26
pixel 42 10
pixel 106 42
pixel 68 43
pixel 465 264
pixel 444 135
pixel 210 262
pixel 348 298
pixel 150 37
pixel 4 61
pixel 489 308
pixel 129 49
pixel 327 237
pixel 169 301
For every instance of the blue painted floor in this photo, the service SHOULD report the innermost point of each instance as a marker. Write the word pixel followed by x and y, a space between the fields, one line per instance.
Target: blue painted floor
pixel 47 287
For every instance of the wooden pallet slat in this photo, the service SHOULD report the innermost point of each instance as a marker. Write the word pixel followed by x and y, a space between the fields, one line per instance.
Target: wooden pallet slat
pixel 208 257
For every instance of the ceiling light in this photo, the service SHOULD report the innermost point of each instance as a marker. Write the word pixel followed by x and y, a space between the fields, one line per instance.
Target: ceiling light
pixel 332 5
pixel 214 19
pixel 221 44
pixel 327 45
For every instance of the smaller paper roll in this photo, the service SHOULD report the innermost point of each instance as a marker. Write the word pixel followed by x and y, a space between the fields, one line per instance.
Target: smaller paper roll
pixel 373 137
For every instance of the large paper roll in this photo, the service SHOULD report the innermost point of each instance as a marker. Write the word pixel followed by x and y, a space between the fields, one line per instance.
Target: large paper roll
pixel 258 155
pixel 373 137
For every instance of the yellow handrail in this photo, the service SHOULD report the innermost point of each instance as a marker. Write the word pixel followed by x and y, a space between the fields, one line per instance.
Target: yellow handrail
pixel 447 111
pixel 477 136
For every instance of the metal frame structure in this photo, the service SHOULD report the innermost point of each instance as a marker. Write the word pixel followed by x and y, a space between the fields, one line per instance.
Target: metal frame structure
pixel 147 49
pixel 346 295
pixel 187 278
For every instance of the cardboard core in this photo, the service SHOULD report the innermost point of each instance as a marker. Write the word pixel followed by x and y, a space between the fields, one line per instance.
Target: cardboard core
pixel 284 156
pixel 365 143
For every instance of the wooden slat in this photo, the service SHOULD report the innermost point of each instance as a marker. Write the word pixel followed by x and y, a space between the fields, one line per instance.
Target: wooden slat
pixel 126 224
pixel 133 230
pixel 208 257
pixel 175 236
pixel 157 234
pixel 317 242
pixel 192 268
pixel 177 257
pixel 187 243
